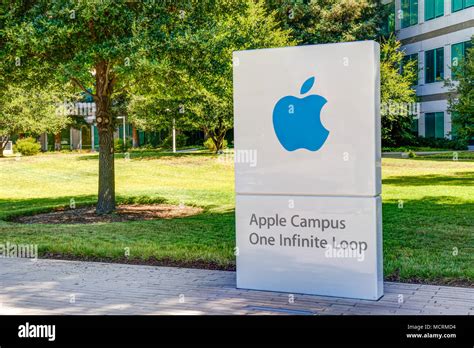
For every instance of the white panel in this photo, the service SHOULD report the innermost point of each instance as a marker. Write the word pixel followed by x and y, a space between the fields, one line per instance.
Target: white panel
pixel 347 77
pixel 321 268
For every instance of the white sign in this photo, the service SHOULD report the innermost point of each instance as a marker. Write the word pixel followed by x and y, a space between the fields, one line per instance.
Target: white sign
pixel 310 117
pixel 323 245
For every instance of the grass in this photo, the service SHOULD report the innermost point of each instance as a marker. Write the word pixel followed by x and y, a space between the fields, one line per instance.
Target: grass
pixel 428 212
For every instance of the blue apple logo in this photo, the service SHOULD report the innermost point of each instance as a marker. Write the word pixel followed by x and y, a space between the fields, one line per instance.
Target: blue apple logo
pixel 297 121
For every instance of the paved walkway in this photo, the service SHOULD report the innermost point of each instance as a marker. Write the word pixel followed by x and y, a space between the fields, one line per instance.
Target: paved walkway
pixel 69 287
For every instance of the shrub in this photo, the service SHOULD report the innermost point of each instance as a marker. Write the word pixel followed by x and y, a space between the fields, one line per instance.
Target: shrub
pixel 209 144
pixel 181 140
pixel 411 154
pixel 436 143
pixel 118 144
pixel 147 147
pixel 27 146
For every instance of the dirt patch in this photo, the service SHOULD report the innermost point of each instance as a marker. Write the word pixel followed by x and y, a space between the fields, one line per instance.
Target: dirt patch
pixel 124 212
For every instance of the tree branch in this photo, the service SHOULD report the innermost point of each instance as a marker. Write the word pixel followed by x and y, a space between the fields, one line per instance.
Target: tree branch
pixel 3 142
pixel 81 86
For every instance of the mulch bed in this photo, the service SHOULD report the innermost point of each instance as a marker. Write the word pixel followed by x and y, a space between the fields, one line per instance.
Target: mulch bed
pixel 123 213
pixel 197 264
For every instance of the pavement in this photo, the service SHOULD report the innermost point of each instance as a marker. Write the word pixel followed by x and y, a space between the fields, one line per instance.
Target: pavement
pixel 48 287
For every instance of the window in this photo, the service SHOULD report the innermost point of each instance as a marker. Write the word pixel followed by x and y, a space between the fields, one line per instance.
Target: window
pixel 454 126
pixel 458 52
pixel 434 65
pixel 409 58
pixel 388 25
pixel 458 5
pixel 414 126
pixel 409 14
pixel 434 9
pixel 434 125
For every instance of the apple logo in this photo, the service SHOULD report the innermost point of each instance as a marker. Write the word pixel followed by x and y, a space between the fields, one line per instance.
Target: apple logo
pixel 297 121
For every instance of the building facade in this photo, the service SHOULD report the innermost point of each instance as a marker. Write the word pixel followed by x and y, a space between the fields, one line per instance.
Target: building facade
pixel 83 133
pixel 437 34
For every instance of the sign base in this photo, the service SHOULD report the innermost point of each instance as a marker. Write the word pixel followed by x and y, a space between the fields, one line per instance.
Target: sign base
pixel 329 246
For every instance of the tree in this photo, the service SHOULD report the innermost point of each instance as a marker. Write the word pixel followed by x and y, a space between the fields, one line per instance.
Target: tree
pixel 396 89
pixel 325 21
pixel 96 45
pixel 201 58
pixel 461 101
pixel 24 110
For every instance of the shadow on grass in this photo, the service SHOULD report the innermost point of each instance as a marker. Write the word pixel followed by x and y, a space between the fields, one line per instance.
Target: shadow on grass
pixel 11 208
pixel 458 179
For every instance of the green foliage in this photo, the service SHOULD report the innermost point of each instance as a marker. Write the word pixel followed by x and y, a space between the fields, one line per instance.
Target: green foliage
pixel 396 88
pixel 26 109
pixel 181 141
pixel 119 145
pixel 324 21
pixel 454 144
pixel 411 154
pixel 198 77
pixel 99 46
pixel 461 103
pixel 27 146
pixel 432 144
pixel 211 146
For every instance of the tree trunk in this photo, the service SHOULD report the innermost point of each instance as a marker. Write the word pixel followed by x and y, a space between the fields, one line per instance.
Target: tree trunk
pixel 105 126
pixel 106 199
pixel 135 142
pixel 57 142
pixel 3 144
pixel 218 137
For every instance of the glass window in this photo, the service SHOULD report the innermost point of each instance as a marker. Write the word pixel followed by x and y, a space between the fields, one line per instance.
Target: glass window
pixel 388 25
pixel 409 12
pixel 434 125
pixel 458 5
pixel 433 9
pixel 439 124
pixel 429 9
pixel 458 53
pixel 439 64
pixel 454 127
pixel 434 65
pixel 430 125
pixel 414 126
pixel 408 58
pixel 439 8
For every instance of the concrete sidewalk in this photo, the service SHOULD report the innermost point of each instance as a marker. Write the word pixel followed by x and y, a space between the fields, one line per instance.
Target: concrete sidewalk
pixel 70 287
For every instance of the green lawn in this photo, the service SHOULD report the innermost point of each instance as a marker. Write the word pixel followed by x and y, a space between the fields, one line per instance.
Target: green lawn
pixel 428 212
